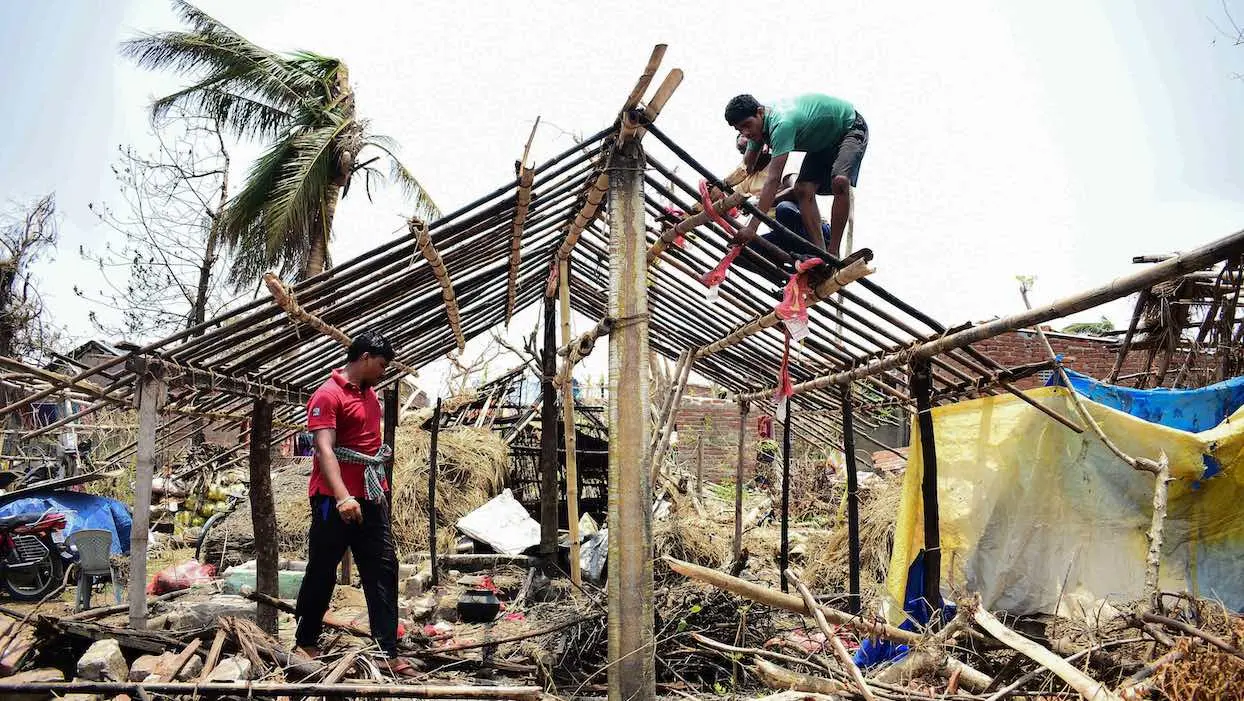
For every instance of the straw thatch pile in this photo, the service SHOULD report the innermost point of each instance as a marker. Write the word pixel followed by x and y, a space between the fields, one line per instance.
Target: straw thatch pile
pixel 471 468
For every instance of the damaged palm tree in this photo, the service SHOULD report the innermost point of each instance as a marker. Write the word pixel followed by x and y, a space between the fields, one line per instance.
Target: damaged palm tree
pixel 302 104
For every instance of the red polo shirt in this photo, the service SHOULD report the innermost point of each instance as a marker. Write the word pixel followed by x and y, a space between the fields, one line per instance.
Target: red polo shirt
pixel 354 413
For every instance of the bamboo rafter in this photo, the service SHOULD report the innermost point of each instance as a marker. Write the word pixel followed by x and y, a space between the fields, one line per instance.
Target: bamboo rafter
pixel 690 222
pixel 285 300
pixel 522 202
pixel 825 288
pixel 424 241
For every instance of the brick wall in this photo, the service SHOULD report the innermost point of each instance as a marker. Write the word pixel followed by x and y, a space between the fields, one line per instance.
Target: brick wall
pixel 1084 354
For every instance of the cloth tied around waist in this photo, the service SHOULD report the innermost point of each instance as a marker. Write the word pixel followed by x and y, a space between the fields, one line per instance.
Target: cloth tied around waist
pixel 373 468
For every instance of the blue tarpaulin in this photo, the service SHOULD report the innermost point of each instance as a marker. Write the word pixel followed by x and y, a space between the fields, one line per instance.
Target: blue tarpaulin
pixel 873 652
pixel 82 511
pixel 1191 410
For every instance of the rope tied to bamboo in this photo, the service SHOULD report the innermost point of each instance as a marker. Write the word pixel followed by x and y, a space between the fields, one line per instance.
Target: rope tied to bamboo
pixel 423 239
pixel 285 300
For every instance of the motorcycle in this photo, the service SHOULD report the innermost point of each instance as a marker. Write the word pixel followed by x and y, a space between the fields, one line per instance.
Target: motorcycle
pixel 33 554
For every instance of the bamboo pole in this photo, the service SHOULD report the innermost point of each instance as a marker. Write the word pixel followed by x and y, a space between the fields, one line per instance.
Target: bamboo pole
pixel 1088 687
pixel 585 216
pixel 645 78
pixel 632 117
pixel 522 201
pixel 656 452
pixel 737 548
pixel 424 240
pixel 549 492
pixel 568 421
pixel 151 396
pixel 840 650
pixel 632 665
pixel 835 282
pixel 922 387
pixel 1121 287
pixel 689 223
pixel 285 300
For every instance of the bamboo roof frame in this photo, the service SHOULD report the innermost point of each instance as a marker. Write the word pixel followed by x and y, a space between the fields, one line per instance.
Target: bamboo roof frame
pixel 433 288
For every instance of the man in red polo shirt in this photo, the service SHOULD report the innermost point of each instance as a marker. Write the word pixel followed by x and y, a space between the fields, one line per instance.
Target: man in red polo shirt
pixel 349 508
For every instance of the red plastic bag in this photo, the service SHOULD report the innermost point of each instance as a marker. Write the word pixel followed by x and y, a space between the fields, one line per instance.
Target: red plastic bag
pixel 182 576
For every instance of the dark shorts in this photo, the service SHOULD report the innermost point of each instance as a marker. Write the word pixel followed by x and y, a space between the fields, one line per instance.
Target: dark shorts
pixel 843 158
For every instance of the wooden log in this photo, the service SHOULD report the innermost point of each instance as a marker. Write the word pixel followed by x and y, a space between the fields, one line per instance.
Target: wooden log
pixel 151 396
pixel 788 602
pixel 568 426
pixel 645 78
pixel 213 655
pixel 840 650
pixel 275 689
pixel 829 286
pixel 1087 687
pixel 1195 259
pixel 263 512
pixel 632 664
pixel 423 240
pixel 853 501
pixel 922 387
pixel 169 669
pixel 782 679
pixel 522 202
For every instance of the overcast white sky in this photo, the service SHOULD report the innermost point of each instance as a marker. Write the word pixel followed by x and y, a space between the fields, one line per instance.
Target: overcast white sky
pixel 1054 139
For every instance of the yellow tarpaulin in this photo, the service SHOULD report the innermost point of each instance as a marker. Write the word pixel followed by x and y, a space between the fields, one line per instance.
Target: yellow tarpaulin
pixel 1030 509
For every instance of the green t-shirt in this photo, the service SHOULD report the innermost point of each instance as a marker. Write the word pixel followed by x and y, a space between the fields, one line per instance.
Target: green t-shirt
pixel 811 122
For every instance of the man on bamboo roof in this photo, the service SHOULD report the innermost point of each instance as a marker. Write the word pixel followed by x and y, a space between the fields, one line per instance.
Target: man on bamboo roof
pixel 833 137
pixel 350 499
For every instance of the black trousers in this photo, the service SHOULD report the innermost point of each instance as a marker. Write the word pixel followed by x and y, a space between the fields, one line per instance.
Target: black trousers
pixel 371 542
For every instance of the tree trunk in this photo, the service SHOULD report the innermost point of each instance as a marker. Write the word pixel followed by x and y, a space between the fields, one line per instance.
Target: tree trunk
pixel 317 261
pixel 198 313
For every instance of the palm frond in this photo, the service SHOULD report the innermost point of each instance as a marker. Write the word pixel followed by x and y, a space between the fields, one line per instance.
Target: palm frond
pixel 411 188
pixel 305 178
pixel 242 115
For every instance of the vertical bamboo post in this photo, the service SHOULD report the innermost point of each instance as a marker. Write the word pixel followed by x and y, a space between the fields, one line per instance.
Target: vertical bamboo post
pixel 784 559
pixel 432 469
pixel 744 405
pixel 699 462
pixel 151 393
pixel 632 661
pixel 572 465
pixel 549 493
pixel 922 386
pixel 853 499
pixel 391 414
pixel 263 511
pixel 669 417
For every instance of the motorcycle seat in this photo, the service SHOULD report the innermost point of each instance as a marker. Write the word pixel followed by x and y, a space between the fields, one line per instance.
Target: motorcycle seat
pixel 19 519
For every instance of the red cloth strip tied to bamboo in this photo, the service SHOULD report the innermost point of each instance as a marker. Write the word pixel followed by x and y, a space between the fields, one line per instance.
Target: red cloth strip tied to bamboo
pixel 717 275
pixel 676 214
pixel 785 389
pixel 797 298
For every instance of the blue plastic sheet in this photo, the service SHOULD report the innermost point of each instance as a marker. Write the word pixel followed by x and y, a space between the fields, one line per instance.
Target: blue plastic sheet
pixel 1191 410
pixel 82 511
pixel 919 611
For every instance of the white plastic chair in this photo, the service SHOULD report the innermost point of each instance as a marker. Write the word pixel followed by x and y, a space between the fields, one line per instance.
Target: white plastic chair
pixel 94 548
